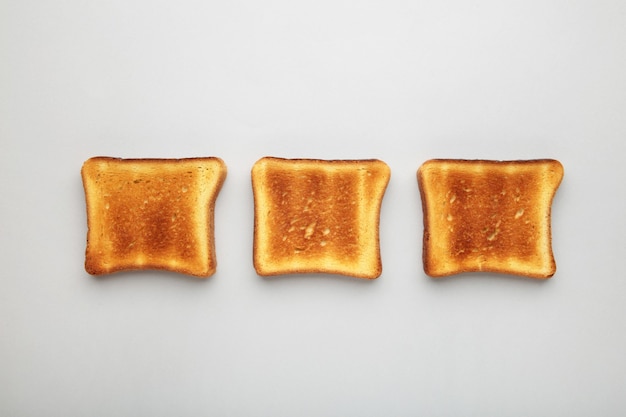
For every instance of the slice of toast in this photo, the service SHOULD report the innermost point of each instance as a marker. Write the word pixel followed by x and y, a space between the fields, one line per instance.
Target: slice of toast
pixel 318 216
pixel 151 214
pixel 488 216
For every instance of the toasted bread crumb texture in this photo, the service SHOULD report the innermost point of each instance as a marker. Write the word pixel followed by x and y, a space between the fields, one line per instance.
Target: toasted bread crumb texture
pixel 488 216
pixel 318 216
pixel 151 214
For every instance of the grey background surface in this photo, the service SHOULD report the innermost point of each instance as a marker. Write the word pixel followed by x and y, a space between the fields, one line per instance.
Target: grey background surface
pixel 402 81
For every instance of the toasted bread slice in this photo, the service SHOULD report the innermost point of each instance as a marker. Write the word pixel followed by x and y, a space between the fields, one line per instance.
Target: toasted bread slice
pixel 151 214
pixel 318 216
pixel 488 216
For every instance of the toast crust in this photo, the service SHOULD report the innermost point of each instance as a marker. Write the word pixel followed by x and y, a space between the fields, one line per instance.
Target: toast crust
pixel 318 216
pixel 492 216
pixel 153 214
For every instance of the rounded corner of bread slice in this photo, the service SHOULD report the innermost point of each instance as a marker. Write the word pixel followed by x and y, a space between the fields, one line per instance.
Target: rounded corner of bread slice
pixel 373 274
pixel 436 270
pixel 222 168
pixel 261 163
pixel 263 270
pixel 91 269
pixel 384 168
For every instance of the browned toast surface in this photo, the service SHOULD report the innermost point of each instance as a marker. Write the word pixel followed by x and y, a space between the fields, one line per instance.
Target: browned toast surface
pixel 318 216
pixel 151 214
pixel 488 216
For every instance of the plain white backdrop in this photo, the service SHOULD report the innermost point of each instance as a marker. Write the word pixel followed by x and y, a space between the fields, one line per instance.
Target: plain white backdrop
pixel 402 81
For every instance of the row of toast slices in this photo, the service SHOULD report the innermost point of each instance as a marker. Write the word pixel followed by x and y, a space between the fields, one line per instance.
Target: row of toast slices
pixel 320 216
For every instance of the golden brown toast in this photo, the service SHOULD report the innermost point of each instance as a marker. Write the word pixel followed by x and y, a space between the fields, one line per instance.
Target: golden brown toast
pixel 488 216
pixel 151 214
pixel 318 216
